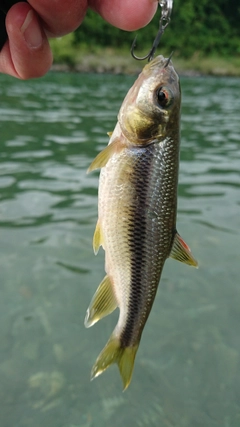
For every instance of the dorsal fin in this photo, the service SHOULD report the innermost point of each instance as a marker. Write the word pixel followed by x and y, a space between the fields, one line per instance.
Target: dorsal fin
pixel 181 251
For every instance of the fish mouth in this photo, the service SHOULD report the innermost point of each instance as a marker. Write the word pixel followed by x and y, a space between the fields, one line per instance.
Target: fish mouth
pixel 159 63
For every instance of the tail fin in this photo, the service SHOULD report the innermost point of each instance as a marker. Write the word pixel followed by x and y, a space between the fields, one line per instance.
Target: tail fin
pixel 114 353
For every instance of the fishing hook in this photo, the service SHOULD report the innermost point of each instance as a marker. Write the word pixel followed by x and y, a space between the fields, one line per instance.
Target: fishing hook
pixel 166 6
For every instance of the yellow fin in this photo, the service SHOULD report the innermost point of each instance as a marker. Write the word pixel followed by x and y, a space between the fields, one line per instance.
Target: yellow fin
pixel 114 353
pixel 109 134
pixel 181 251
pixel 102 158
pixel 97 238
pixel 102 304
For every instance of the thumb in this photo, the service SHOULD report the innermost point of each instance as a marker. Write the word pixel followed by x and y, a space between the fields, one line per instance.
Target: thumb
pixel 26 54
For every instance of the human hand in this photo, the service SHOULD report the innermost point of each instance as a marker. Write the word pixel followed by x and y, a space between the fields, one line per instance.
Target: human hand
pixel 27 54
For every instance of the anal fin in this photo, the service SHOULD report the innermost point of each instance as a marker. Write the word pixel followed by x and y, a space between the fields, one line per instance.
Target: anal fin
pixel 102 304
pixel 181 251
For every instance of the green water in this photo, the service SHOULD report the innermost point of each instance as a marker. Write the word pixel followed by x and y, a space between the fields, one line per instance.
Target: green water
pixel 187 370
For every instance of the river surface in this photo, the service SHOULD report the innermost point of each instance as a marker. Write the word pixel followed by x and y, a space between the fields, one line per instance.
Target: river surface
pixel 187 370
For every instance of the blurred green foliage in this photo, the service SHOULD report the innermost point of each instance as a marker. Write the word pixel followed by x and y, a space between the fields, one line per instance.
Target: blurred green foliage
pixel 197 27
pixel 64 50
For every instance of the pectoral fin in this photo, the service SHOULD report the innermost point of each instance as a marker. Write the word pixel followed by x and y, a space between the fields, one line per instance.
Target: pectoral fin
pixel 181 251
pixel 102 304
pixel 102 158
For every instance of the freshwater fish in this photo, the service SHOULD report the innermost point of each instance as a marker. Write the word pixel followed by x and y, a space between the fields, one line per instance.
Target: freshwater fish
pixel 137 208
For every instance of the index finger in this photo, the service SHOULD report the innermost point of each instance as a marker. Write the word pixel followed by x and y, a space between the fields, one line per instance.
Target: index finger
pixel 128 15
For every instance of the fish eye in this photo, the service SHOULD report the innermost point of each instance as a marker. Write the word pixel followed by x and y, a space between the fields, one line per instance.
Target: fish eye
pixel 164 97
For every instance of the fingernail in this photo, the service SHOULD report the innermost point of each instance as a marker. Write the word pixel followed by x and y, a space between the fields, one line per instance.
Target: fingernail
pixel 31 31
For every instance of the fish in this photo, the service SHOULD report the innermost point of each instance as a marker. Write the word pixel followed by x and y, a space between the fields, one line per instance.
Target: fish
pixel 137 207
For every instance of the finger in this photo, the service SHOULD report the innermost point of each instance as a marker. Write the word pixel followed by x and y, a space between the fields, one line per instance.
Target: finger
pixel 60 16
pixel 27 53
pixel 128 15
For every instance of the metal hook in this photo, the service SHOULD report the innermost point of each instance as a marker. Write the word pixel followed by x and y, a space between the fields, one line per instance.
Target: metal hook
pixel 166 6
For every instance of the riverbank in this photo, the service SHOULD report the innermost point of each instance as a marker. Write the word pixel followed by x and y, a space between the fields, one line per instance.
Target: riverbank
pixel 108 60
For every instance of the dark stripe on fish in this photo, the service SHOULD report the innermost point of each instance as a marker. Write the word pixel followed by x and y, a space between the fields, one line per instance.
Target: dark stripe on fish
pixel 137 238
pixel 152 217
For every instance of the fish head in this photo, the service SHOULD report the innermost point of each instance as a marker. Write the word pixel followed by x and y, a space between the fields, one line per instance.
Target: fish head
pixel 151 109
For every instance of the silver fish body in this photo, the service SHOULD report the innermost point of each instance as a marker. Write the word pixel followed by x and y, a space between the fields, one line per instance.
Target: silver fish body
pixel 137 210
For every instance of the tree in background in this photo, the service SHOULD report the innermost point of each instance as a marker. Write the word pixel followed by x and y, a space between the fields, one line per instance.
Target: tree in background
pixel 202 27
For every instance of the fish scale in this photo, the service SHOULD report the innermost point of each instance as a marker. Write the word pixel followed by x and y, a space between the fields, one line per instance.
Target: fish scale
pixel 137 211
